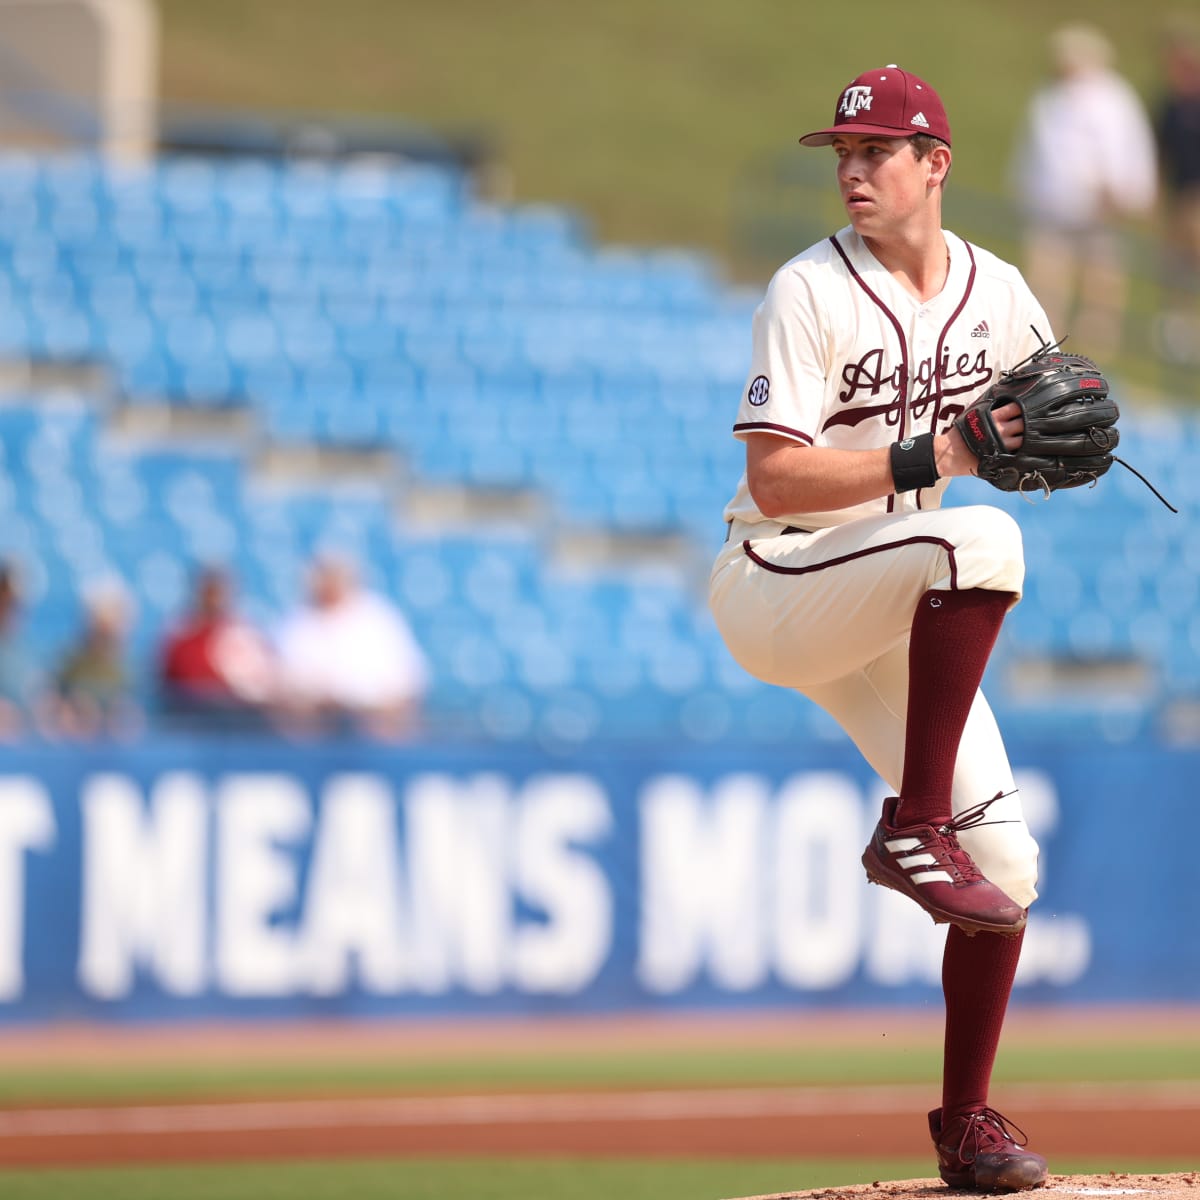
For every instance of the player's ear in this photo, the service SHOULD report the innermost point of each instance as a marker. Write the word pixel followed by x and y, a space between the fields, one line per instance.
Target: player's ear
pixel 939 164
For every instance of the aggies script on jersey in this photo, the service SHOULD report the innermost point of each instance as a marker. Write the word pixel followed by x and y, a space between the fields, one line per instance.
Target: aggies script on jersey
pixel 886 385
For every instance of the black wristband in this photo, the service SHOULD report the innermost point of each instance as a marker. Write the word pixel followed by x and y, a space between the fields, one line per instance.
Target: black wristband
pixel 913 463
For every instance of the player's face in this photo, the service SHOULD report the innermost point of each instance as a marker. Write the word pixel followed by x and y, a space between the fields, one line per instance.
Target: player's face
pixel 882 183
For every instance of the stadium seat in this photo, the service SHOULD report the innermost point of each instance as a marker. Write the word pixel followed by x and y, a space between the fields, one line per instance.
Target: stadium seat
pixel 364 306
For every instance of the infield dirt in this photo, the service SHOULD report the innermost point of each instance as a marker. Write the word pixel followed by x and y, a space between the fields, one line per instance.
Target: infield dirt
pixel 1163 1187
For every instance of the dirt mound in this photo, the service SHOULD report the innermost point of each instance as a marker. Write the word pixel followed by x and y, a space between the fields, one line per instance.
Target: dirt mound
pixel 1165 1187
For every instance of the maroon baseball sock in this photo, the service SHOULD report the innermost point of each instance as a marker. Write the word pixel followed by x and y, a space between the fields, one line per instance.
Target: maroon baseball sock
pixel 977 979
pixel 952 638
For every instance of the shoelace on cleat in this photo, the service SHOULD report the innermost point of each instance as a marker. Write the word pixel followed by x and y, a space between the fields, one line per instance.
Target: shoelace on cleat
pixel 945 845
pixel 989 1129
pixel 973 817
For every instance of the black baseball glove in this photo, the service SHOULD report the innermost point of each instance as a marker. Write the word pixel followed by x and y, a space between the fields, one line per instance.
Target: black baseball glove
pixel 1070 425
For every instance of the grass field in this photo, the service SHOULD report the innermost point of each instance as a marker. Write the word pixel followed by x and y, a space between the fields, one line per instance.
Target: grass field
pixel 1137 1057
pixel 495 1179
pixel 669 123
pixel 647 115
pixel 1148 1050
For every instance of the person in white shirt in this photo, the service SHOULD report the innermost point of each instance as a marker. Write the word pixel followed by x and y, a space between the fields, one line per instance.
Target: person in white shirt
pixel 1084 168
pixel 348 658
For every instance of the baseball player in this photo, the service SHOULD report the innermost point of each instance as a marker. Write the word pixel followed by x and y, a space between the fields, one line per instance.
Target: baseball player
pixel 842 578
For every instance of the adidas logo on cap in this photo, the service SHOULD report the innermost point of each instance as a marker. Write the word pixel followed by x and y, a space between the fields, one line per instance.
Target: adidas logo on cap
pixel 921 120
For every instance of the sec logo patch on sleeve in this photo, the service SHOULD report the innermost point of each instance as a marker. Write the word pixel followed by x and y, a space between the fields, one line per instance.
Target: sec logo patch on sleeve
pixel 760 391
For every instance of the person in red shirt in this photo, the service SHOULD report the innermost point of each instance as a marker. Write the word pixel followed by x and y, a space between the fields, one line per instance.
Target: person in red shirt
pixel 214 662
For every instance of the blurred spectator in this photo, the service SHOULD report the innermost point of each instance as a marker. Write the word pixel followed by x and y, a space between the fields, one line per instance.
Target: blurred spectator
pixel 1178 127
pixel 93 694
pixel 214 665
pixel 1085 166
pixel 348 660
pixel 18 677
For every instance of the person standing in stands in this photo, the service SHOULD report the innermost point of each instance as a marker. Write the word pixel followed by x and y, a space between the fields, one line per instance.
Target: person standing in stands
pixel 214 666
pixel 92 693
pixel 348 661
pixel 1178 127
pixel 20 686
pixel 1085 169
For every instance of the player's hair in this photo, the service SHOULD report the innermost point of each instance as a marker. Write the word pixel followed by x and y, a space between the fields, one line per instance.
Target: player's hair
pixel 923 144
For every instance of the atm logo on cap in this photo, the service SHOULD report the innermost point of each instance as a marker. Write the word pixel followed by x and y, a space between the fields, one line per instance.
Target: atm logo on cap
pixel 855 100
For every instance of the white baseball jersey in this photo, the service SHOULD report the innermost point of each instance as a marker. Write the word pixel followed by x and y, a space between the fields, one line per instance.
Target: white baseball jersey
pixel 844 356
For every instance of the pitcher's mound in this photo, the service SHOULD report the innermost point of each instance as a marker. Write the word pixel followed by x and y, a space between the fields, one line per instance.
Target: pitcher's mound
pixel 1165 1187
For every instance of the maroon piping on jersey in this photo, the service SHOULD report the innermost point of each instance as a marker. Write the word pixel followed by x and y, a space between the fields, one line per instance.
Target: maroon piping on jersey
pixel 767 565
pixel 902 400
pixel 941 342
pixel 902 403
pixel 770 425
pixel 904 365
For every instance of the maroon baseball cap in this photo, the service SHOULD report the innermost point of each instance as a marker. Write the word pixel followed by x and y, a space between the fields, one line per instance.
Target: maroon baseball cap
pixel 887 102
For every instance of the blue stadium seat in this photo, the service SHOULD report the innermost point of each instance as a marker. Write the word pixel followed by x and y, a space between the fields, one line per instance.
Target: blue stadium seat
pixel 488 346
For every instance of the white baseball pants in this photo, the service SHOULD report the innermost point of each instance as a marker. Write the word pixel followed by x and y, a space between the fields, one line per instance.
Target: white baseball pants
pixel 828 614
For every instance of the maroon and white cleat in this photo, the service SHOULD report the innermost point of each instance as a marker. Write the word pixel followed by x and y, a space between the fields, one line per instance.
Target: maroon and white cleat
pixel 927 864
pixel 977 1151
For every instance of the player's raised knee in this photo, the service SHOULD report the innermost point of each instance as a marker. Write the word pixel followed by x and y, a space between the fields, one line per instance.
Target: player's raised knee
pixel 998 530
pixel 990 552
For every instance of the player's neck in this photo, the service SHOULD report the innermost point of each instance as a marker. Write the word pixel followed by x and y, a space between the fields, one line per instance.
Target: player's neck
pixel 919 264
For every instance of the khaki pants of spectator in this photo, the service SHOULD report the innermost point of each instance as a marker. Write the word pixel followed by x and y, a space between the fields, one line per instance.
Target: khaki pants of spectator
pixel 1183 236
pixel 1178 324
pixel 1079 276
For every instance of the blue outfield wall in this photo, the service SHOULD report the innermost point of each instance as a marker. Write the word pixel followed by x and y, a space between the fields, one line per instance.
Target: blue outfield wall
pixel 192 879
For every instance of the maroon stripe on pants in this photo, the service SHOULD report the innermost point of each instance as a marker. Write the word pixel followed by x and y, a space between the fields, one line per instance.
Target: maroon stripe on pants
pixel 767 565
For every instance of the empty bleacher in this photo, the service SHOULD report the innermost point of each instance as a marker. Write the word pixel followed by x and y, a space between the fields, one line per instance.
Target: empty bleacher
pixel 374 309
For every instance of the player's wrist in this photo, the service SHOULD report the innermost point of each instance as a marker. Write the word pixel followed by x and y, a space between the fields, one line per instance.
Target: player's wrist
pixel 953 455
pixel 914 463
